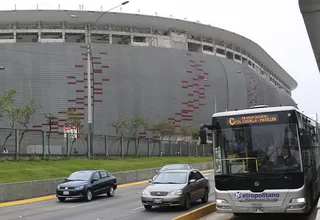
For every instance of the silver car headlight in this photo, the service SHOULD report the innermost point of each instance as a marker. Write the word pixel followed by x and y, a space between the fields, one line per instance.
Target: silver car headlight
pixel 79 188
pixel 176 193
pixel 146 193
pixel 58 186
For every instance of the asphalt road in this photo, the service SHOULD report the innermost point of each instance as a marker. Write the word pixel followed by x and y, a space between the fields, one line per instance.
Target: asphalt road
pixel 126 204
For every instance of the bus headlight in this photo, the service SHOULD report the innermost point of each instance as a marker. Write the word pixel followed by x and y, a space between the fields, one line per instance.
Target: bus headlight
pixel 221 202
pixel 298 200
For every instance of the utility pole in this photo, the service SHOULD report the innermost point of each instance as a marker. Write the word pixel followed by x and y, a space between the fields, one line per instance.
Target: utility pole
pixel 90 125
pixel 89 58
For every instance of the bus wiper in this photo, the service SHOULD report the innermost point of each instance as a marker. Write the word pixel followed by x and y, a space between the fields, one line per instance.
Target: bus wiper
pixel 233 177
pixel 281 174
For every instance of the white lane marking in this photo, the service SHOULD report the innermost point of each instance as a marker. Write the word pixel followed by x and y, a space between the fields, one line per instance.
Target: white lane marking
pixel 68 207
pixel 75 206
pixel 137 208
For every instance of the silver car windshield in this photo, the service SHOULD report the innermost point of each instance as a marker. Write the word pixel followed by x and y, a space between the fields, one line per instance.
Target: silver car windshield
pixel 172 167
pixel 171 178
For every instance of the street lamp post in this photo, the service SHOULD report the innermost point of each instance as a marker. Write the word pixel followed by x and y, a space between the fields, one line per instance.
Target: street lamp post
pixel 214 92
pixel 89 57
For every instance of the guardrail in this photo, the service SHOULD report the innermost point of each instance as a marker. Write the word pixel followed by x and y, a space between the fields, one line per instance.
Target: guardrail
pixel 30 189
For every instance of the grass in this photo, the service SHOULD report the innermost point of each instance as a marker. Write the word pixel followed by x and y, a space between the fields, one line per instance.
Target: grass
pixel 18 171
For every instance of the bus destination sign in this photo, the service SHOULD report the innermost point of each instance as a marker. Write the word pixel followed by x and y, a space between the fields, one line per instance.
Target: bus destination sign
pixel 252 119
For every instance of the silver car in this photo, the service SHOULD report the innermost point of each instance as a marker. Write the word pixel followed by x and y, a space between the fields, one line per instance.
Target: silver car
pixel 173 167
pixel 176 188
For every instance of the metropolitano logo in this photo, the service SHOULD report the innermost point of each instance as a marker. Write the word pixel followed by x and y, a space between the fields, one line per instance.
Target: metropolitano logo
pixel 238 195
pixel 257 196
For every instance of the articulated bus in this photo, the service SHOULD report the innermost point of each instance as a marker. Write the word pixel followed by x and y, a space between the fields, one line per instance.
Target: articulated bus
pixel 266 160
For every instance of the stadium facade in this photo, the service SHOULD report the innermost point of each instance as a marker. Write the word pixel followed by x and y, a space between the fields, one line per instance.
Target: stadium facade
pixel 155 67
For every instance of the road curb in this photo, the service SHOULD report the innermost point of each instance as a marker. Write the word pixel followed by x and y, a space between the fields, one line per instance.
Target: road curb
pixel 198 213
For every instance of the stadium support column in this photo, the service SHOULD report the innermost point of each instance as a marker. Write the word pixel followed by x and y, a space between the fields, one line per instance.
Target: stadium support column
pixel 227 81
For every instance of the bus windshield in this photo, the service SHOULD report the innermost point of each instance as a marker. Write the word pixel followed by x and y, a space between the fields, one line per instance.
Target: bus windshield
pixel 256 147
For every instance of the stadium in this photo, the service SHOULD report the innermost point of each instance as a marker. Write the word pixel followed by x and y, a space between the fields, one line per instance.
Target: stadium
pixel 155 67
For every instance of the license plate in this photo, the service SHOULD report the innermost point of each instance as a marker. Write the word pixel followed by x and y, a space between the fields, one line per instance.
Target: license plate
pixel 257 207
pixel 258 210
pixel 157 200
pixel 65 193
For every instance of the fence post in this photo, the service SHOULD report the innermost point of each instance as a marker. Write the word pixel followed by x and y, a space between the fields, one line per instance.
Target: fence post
pixel 196 149
pixel 170 146
pixel 180 148
pixel 88 145
pixel 67 145
pixel 203 150
pixel 136 146
pixel 122 150
pixel 106 146
pixel 189 148
pixel 148 145
pixel 43 134
pixel 160 148
pixel 16 156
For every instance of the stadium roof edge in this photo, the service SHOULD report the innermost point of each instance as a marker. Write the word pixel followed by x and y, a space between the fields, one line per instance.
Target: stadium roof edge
pixel 25 16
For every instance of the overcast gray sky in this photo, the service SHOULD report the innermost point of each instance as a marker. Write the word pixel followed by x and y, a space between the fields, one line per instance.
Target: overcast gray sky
pixel 276 25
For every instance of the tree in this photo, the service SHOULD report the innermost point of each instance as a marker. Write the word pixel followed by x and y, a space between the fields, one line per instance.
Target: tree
pixel 135 124
pixel 25 115
pixel 194 130
pixel 120 125
pixel 5 100
pixel 186 132
pixel 51 120
pixel 161 128
pixel 10 111
pixel 74 121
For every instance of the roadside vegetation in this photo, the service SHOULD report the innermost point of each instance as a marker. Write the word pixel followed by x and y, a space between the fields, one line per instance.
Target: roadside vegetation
pixel 17 171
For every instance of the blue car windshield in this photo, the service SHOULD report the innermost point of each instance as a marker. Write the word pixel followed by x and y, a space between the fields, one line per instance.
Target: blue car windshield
pixel 80 175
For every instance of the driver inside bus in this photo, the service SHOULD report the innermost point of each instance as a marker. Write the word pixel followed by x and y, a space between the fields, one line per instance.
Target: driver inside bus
pixel 285 158
pixel 271 151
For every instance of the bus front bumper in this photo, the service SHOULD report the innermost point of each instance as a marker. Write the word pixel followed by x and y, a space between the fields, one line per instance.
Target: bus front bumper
pixel 299 208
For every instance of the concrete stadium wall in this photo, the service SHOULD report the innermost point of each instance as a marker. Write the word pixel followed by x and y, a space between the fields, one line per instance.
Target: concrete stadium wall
pixel 156 83
pixel 31 189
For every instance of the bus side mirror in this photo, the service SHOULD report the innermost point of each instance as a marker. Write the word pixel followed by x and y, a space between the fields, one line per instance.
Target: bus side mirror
pixel 305 140
pixel 203 136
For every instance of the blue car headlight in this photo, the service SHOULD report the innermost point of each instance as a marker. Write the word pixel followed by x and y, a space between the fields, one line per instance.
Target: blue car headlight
pixel 79 188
